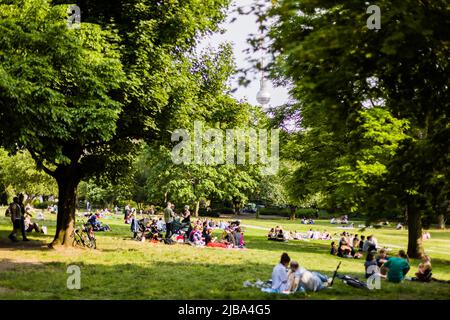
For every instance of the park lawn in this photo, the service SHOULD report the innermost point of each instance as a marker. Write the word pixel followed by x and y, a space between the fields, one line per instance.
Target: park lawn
pixel 125 269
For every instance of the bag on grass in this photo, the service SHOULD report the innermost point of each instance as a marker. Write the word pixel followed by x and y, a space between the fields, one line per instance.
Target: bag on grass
pixel 353 282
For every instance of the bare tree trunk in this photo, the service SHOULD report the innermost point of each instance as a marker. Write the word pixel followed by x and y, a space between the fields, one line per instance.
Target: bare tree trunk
pixel 415 244
pixel 441 221
pixel 197 207
pixel 292 209
pixel 65 221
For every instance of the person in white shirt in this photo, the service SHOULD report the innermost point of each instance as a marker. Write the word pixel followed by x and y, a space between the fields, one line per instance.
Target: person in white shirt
pixel 280 274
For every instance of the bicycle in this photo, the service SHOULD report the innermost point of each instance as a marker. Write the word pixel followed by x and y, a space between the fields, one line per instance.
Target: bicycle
pixel 83 235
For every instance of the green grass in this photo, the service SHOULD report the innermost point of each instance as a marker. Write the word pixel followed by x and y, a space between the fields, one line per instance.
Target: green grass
pixel 125 269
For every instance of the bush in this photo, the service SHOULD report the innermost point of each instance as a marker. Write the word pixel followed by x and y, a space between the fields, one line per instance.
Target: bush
pixel 215 212
pixel 42 205
pixel 305 212
pixel 224 210
pixel 275 211
pixel 123 203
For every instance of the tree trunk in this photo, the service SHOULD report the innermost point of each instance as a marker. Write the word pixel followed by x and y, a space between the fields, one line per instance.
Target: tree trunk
pixel 197 207
pixel 441 221
pixel 415 244
pixel 65 221
pixel 292 209
pixel 236 208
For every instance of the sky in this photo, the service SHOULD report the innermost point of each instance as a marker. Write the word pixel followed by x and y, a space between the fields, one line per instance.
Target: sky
pixel 237 33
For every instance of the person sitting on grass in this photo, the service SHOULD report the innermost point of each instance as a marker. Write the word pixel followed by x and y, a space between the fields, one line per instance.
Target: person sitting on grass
pixel 207 236
pixel 293 278
pixel 356 242
pixel 396 267
pixel 311 280
pixel 280 235
pixel 195 238
pixel 424 273
pixel 361 243
pixel 334 249
pixel 280 275
pixel 29 225
pixel 382 258
pixel 369 245
pixel 344 250
pixel 426 236
pixel 97 225
pixel 370 265
pixel 271 234
pixel 240 239
pixel 228 237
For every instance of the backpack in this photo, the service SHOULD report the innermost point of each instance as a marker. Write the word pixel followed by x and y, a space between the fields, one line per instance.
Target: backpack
pixel 8 213
pixel 353 282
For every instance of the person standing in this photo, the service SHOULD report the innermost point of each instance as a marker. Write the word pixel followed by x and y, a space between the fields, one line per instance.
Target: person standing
pixel 127 212
pixel 169 215
pixel 17 218
pixel 22 218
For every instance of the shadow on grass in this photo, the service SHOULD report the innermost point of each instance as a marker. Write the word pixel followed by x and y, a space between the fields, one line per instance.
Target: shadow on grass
pixel 181 280
pixel 256 242
pixel 158 280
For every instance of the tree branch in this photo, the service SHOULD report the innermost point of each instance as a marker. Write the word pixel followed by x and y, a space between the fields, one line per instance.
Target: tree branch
pixel 40 164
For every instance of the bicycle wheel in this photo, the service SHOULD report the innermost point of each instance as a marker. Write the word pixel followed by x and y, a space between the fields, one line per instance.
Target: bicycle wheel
pixel 76 238
pixel 93 243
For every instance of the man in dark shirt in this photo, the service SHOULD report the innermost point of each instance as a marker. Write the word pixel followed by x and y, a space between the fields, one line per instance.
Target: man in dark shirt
pixel 17 210
pixel 169 215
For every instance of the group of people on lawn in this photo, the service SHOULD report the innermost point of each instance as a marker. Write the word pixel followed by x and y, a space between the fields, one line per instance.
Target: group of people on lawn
pixel 289 277
pixel 278 234
pixel 395 269
pixel 199 233
pixel 351 246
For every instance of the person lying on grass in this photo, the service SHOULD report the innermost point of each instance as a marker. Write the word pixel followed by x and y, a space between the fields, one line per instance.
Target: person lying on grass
pixel 396 268
pixel 300 279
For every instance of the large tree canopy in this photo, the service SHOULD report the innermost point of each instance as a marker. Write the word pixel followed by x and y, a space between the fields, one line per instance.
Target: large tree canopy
pixel 79 100
pixel 374 103
pixel 18 174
